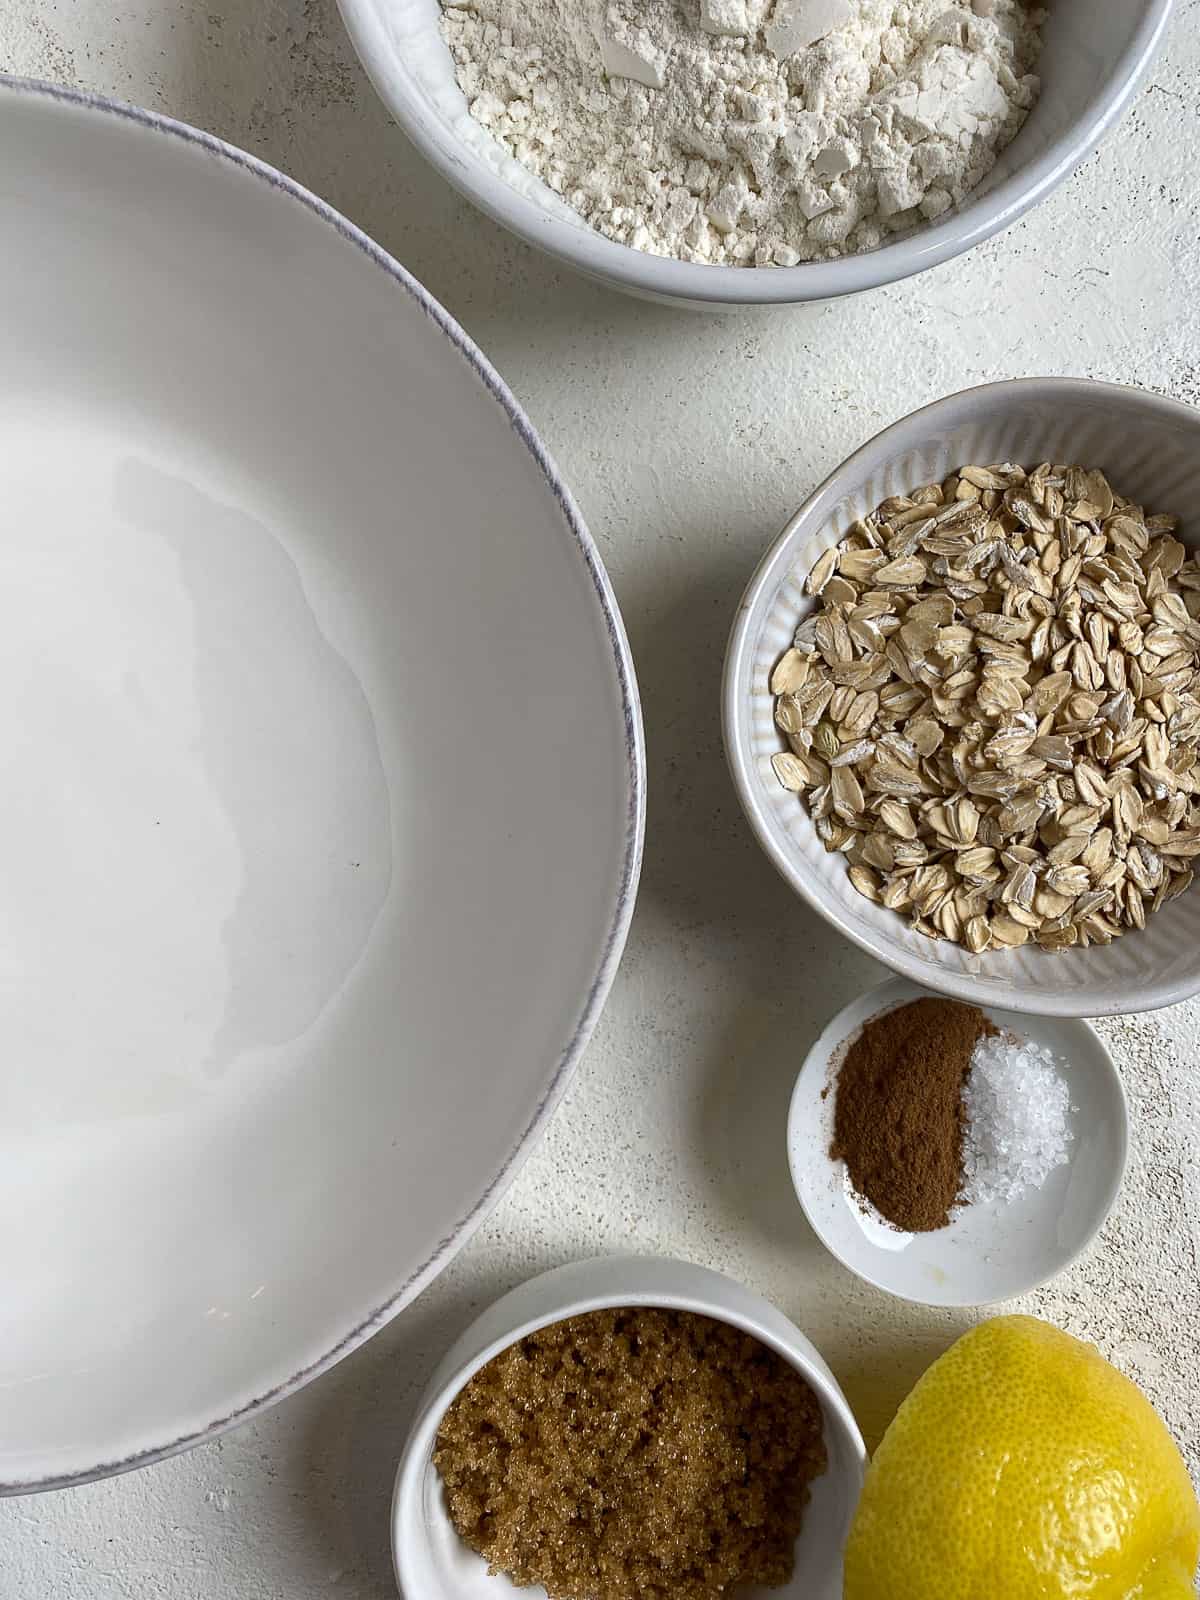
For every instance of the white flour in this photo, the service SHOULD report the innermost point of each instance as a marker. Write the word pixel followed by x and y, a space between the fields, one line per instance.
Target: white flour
pixel 750 131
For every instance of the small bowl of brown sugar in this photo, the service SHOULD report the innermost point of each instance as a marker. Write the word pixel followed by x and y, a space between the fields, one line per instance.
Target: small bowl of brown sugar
pixel 955 1154
pixel 628 1428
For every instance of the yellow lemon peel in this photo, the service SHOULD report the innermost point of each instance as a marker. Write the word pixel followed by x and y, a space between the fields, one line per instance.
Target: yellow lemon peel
pixel 1023 1466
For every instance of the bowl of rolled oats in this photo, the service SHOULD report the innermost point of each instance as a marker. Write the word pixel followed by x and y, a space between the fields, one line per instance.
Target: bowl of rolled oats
pixel 962 698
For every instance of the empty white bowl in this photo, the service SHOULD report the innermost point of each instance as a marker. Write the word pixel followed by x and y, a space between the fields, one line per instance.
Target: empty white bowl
pixel 1093 59
pixel 432 1562
pixel 1150 449
pixel 300 945
pixel 988 1252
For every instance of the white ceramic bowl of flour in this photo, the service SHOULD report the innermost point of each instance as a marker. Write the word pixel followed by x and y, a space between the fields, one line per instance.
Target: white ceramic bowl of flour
pixel 1092 60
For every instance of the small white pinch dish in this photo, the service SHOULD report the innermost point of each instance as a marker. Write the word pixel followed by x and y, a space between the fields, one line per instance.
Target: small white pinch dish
pixel 432 1562
pixel 298 952
pixel 989 1251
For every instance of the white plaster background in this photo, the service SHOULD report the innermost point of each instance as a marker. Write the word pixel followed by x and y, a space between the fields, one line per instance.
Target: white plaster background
pixel 688 439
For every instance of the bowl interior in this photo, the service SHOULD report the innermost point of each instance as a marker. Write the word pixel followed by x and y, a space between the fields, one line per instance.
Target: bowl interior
pixel 1089 57
pixel 299 630
pixel 432 1562
pixel 987 1252
pixel 1150 449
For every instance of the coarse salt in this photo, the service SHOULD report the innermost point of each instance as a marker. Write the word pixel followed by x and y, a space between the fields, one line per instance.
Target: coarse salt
pixel 1018 1119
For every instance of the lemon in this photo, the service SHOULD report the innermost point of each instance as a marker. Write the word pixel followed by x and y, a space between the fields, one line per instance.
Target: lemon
pixel 1024 1467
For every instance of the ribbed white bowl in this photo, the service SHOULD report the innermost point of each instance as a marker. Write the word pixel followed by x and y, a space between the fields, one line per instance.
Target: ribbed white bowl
pixel 1150 449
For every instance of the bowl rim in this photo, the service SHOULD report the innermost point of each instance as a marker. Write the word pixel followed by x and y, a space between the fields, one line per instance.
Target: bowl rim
pixel 1154 993
pixel 902 990
pixel 575 1300
pixel 15 89
pixel 722 286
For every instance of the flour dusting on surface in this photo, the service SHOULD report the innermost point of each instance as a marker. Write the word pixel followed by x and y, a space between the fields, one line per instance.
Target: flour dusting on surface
pixel 750 132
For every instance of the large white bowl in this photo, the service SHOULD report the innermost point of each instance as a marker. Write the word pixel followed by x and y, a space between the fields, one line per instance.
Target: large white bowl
pixel 322 803
pixel 1150 448
pixel 432 1562
pixel 1094 58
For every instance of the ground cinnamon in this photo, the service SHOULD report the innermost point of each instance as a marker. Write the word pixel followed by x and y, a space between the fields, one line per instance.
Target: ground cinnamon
pixel 899 1118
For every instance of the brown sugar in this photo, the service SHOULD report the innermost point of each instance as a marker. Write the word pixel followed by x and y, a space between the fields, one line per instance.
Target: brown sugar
pixel 633 1454
pixel 899 1117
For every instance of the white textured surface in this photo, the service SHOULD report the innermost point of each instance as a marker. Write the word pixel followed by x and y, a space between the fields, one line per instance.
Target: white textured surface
pixel 688 440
